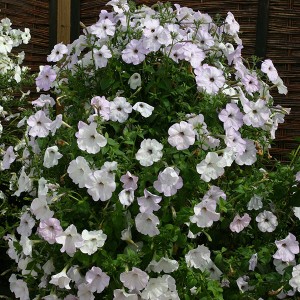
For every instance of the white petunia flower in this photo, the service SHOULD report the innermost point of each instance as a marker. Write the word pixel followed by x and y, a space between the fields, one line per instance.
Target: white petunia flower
pixel 150 151
pixel 61 280
pixel 79 171
pixel 135 81
pixel 136 279
pixel 146 224
pixel 266 221
pixel 92 240
pixel 120 109
pixel 144 109
pixel 51 157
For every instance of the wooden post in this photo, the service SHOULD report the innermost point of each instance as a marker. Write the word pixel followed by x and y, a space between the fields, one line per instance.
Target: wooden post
pixel 63 21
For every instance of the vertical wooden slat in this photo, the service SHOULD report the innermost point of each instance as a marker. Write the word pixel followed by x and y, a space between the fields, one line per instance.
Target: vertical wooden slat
pixel 63 21
pixel 75 19
pixel 262 25
pixel 52 24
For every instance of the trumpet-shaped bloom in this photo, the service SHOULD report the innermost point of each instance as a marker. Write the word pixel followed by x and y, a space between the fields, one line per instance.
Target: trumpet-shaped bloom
pixel 120 109
pixel 49 229
pixel 51 157
pixel 39 124
pixel 181 135
pixel 100 185
pixel 61 279
pixel 92 240
pixel 88 139
pixel 79 171
pixel 70 240
pixel 136 279
pixel 266 221
pixel 97 279
pixel 287 248
pixel 168 182
pixel 150 151
pixel 146 224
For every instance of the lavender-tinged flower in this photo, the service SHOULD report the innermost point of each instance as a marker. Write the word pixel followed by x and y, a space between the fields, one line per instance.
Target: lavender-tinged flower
pixel 122 295
pixel 149 202
pixel 211 167
pixel 45 78
pixel 198 258
pixel 209 79
pixel 61 279
pixel 129 181
pixel 168 182
pixel 239 223
pixel 135 52
pixel 97 279
pixel 51 157
pixel 234 141
pixel 92 241
pixel 8 158
pixel 79 171
pixel 253 262
pixel 49 229
pixel 248 157
pixel 126 197
pixel 57 53
pixel 39 124
pixel 193 54
pixel 231 117
pixel 101 56
pixel 40 209
pixel 214 193
pixel 144 109
pixel 256 113
pixel 255 203
pixel 26 224
pixel 120 109
pixel 295 280
pixel 268 68
pixel 287 248
pixel 103 29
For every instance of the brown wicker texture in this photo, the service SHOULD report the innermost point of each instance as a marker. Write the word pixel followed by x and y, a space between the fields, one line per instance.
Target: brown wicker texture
pixel 33 14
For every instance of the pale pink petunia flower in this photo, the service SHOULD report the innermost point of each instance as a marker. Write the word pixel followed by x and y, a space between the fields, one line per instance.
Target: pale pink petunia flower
pixel 249 156
pixel 97 279
pixel 181 135
pixel 136 279
pixel 239 223
pixel 49 229
pixel 231 117
pixel 287 248
pixel 84 292
pixel 193 54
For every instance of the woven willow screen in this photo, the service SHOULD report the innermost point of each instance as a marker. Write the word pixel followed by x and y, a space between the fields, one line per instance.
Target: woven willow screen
pixel 280 18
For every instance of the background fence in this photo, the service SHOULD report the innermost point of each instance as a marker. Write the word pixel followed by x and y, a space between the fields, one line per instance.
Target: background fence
pixel 269 29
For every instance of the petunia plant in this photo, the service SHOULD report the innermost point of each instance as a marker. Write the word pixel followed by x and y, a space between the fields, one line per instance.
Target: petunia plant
pixel 145 171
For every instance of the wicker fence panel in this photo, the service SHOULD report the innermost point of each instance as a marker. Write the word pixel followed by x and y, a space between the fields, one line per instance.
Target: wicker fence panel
pixel 33 14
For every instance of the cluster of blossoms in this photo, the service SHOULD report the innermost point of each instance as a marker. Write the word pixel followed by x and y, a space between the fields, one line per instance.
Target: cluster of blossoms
pixel 12 75
pixel 143 178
